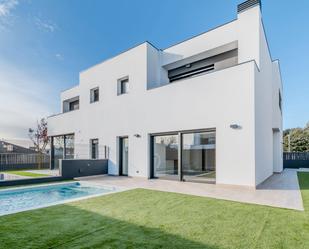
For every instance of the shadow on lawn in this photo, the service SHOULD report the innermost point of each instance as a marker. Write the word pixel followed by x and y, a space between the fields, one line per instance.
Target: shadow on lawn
pixel 71 227
pixel 303 180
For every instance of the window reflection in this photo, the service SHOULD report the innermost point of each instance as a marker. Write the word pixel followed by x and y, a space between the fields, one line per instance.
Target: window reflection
pixel 198 156
pixel 69 146
pixel 165 156
pixel 62 148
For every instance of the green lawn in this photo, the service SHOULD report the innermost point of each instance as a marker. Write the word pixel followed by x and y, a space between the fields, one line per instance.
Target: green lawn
pixel 25 173
pixel 152 219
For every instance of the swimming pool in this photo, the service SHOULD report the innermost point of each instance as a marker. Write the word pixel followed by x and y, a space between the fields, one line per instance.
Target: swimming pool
pixel 21 199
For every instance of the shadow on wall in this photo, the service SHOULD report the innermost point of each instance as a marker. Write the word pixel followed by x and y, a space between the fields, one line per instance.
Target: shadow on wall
pixel 113 168
pixel 79 228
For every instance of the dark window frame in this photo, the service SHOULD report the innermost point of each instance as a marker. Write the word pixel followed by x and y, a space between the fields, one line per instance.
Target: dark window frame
pixel 74 105
pixel 180 145
pixel 123 86
pixel 93 96
pixel 120 158
pixel 191 73
pixel 64 152
pixel 71 104
pixel 94 148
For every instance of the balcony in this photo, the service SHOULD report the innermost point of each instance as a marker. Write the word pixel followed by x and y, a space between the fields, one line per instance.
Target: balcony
pixel 71 104
pixel 63 123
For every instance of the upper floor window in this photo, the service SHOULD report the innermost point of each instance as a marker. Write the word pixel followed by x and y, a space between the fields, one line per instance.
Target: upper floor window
pixel 196 65
pixel 74 105
pixel 94 95
pixel 123 86
pixel 189 70
pixel 71 104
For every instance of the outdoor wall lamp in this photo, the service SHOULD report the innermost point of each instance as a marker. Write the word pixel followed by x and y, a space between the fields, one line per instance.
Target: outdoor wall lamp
pixel 235 126
pixel 137 135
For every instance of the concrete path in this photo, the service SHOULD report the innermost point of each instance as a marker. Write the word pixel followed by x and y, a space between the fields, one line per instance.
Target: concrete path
pixel 280 190
pixel 51 172
pixel 7 176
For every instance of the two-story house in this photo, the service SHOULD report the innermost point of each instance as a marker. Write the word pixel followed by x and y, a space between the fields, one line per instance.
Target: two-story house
pixel 207 109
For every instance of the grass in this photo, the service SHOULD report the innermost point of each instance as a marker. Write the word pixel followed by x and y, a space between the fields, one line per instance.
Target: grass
pixel 153 219
pixel 26 173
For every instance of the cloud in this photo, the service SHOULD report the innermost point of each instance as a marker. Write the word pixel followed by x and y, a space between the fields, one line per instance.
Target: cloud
pixel 6 6
pixel 59 56
pixel 45 25
pixel 7 18
pixel 23 101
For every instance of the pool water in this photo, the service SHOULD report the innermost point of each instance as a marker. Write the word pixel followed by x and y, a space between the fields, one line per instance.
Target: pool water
pixel 21 199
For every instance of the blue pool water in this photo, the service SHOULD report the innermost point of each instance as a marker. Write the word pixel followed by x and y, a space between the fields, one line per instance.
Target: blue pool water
pixel 16 200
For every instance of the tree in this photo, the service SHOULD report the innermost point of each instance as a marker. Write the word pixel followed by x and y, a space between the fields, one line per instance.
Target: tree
pixel 39 138
pixel 296 139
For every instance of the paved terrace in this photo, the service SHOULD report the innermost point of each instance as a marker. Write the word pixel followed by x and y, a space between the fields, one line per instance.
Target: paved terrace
pixel 280 190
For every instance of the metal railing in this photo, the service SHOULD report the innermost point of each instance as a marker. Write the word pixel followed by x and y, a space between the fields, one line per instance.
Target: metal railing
pixel 296 159
pixel 12 161
pixel 296 156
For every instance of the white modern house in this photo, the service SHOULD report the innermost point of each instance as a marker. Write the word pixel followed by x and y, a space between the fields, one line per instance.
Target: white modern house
pixel 207 109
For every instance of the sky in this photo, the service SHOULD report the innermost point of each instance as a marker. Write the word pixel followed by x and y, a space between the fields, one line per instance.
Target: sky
pixel 45 44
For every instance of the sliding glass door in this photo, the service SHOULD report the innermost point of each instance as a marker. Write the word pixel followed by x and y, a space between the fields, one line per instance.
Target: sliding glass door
pixel 165 156
pixel 69 146
pixel 198 156
pixel 62 147
pixel 196 151
pixel 58 151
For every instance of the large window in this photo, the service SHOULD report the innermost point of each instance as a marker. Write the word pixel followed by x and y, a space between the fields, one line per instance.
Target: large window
pixel 205 65
pixel 196 152
pixel 198 156
pixel 188 71
pixel 62 148
pixel 165 156
pixel 58 149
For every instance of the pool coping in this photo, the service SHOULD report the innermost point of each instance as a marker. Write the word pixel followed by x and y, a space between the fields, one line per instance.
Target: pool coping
pixel 117 190
pixel 33 180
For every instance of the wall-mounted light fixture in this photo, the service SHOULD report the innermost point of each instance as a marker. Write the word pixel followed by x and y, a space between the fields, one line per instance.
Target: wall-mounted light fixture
pixel 137 135
pixel 235 126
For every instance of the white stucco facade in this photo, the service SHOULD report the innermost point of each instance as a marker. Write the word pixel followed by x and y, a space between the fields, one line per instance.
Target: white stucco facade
pixel 241 89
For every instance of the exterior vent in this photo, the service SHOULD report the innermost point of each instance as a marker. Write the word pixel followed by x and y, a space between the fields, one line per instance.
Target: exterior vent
pixel 248 4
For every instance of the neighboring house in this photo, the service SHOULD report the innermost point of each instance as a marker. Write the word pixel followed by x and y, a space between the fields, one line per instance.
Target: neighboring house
pixel 10 148
pixel 207 109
